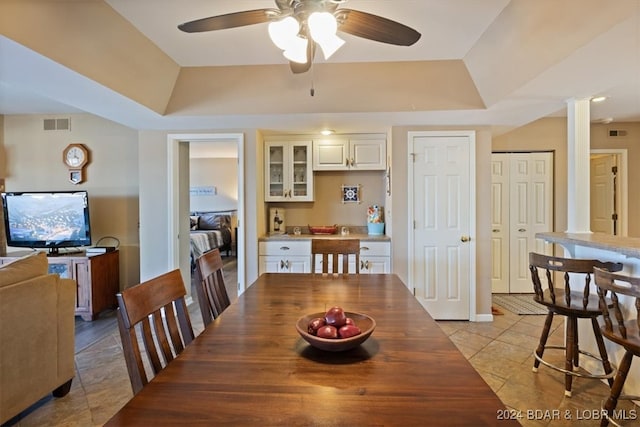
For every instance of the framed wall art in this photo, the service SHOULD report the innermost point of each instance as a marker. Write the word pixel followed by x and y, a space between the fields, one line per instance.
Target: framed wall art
pixel 351 193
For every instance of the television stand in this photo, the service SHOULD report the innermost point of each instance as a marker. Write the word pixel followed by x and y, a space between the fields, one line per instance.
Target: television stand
pixel 97 277
pixel 53 252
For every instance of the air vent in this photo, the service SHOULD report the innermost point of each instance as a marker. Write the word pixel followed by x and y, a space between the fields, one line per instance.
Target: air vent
pixel 57 124
pixel 613 133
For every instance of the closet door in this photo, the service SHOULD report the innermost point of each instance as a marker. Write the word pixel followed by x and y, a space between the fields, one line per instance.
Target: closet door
pixel 500 223
pixel 530 211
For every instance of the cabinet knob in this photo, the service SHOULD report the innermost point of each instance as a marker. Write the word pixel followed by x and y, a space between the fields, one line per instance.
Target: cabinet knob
pixel 522 230
pixel 284 248
pixel 364 248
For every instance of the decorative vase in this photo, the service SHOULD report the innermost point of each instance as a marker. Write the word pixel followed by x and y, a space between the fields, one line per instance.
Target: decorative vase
pixel 376 228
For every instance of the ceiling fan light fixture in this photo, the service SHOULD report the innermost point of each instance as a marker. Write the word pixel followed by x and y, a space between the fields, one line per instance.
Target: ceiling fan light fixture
pixel 284 32
pixel 297 50
pixel 322 28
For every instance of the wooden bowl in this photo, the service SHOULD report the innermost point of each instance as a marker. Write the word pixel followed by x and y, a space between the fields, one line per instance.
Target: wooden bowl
pixel 362 321
pixel 323 229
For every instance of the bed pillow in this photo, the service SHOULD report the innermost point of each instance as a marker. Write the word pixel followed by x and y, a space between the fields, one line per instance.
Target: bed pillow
pixel 214 222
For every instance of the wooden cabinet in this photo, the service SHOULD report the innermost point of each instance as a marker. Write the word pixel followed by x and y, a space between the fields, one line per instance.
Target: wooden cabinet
pixel 359 152
pixel 288 171
pixel 284 257
pixel 97 277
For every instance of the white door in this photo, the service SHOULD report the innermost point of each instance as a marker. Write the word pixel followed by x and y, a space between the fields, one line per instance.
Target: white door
pixel 443 209
pixel 522 205
pixel 602 193
pixel 500 223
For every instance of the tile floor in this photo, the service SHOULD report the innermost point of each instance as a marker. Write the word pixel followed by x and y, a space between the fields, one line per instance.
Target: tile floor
pixel 501 351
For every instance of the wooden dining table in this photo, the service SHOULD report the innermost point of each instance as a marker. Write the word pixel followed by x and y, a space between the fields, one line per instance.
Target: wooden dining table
pixel 250 367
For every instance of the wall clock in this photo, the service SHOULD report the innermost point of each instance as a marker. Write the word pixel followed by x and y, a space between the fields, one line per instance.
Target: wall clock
pixel 76 157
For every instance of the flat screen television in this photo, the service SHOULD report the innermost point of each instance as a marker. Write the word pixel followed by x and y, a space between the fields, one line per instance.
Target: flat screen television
pixel 51 220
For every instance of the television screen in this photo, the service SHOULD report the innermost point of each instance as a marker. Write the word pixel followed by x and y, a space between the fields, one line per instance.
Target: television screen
pixel 50 220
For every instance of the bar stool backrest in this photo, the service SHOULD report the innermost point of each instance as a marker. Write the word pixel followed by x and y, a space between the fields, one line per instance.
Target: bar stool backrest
pixel 563 294
pixel 626 330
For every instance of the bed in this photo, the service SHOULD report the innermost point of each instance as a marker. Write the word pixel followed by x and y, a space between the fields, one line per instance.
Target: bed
pixel 209 231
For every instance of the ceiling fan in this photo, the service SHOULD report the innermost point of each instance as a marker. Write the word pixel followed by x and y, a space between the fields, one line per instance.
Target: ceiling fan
pixel 297 26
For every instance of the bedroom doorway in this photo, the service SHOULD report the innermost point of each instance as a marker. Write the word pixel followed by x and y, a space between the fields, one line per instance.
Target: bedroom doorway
pixel 213 195
pixel 179 203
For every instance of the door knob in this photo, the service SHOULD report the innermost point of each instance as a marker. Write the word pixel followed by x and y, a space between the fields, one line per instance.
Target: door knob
pixel 465 238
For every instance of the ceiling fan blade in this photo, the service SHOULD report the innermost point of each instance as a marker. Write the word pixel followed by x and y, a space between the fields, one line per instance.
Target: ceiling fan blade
pixel 230 20
pixel 298 68
pixel 375 27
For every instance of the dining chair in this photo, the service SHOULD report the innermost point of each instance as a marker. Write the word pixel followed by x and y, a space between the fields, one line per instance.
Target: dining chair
pixel 330 249
pixel 155 313
pixel 572 299
pixel 626 330
pixel 210 286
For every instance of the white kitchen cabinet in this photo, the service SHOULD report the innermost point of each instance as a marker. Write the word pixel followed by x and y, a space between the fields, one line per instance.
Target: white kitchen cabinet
pixel 361 152
pixel 288 171
pixel 284 257
pixel 375 257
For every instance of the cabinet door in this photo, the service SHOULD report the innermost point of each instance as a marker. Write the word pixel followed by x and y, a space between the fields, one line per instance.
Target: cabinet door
pixel 269 264
pixel 298 265
pixel 288 171
pixel 375 265
pixel 301 173
pixel 331 154
pixel 368 154
pixel 82 275
pixel 276 170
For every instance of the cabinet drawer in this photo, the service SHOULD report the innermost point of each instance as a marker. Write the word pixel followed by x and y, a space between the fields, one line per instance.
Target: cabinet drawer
pixel 284 248
pixel 375 248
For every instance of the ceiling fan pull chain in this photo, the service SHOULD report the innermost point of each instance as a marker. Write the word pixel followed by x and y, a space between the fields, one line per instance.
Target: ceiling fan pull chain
pixel 312 91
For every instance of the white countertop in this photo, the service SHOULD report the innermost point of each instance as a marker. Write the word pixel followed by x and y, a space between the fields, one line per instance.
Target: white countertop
pixel 629 246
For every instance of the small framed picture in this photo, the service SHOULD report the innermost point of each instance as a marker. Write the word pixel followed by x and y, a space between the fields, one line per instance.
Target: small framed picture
pixel 351 194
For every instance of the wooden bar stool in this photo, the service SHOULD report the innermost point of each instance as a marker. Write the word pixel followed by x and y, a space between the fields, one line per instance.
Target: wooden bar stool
pixel 625 332
pixel 574 301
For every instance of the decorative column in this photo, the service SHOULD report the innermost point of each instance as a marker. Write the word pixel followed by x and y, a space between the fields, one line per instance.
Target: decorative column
pixel 578 163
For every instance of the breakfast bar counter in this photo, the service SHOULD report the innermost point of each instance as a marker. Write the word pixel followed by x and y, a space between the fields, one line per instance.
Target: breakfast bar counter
pixel 251 366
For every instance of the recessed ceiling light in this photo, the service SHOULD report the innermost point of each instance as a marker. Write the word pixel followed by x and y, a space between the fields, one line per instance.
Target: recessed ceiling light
pixel 326 132
pixel 598 98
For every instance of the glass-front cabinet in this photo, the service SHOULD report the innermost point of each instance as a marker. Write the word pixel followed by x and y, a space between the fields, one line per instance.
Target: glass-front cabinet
pixel 288 171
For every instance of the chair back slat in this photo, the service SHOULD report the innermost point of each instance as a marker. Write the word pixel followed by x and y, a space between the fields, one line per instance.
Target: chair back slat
pixel 331 249
pixel 156 311
pixel 211 290
pixel 569 288
pixel 612 284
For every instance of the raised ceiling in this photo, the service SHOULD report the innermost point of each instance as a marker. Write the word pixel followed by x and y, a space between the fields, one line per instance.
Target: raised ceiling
pixel 499 63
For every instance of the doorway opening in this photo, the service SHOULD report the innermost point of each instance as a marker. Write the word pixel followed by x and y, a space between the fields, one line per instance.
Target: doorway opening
pixel 608 191
pixel 180 200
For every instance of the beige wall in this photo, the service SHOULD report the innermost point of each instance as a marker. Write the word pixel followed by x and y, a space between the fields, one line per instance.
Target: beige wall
pixel 327 207
pixel 600 139
pixel 34 163
pixel 221 173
